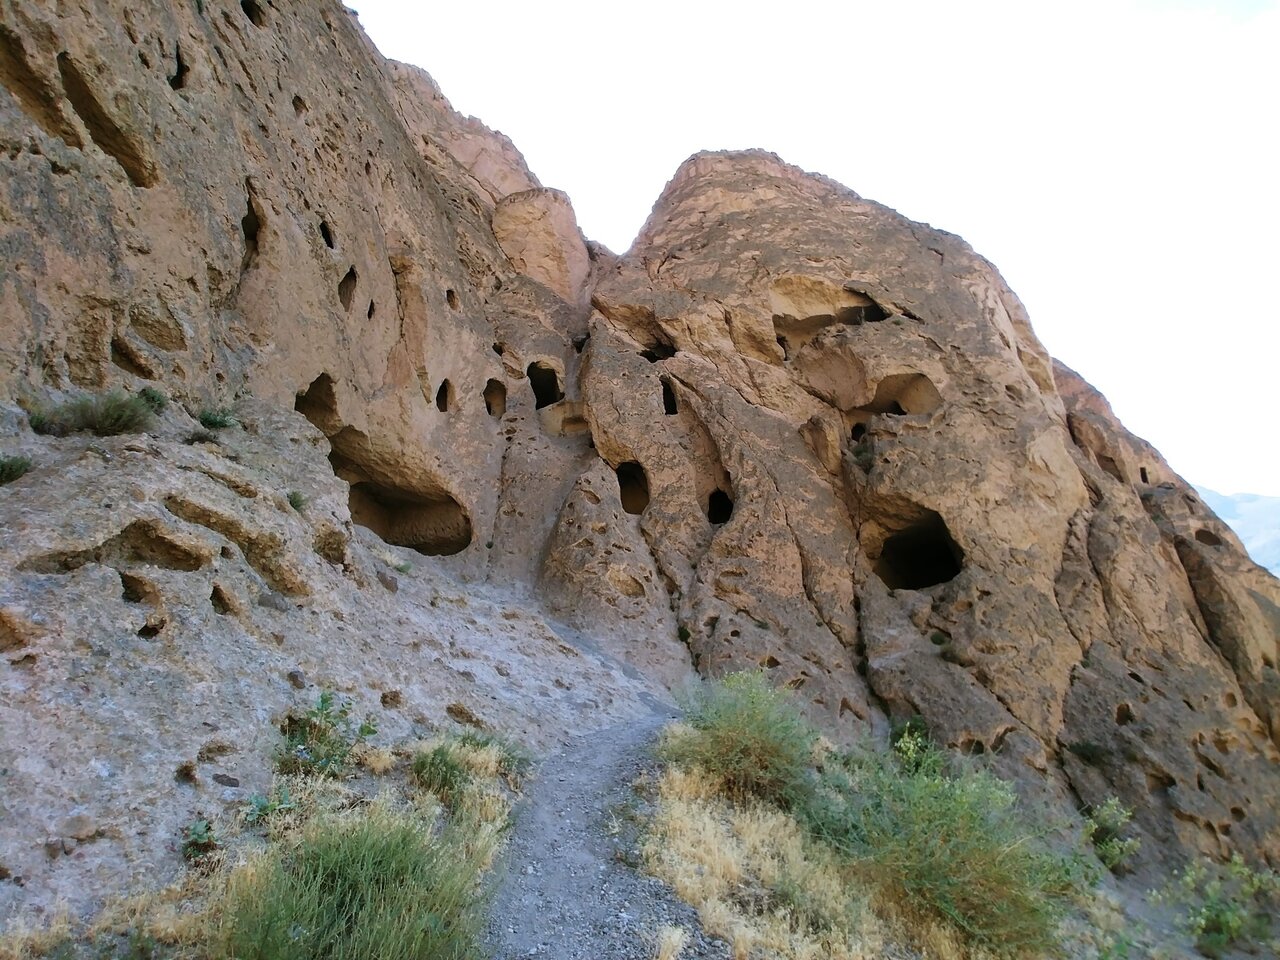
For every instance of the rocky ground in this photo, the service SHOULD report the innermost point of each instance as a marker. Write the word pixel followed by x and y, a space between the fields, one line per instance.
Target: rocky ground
pixel 569 887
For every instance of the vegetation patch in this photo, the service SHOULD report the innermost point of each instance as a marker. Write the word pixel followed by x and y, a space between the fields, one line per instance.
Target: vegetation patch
pixel 321 741
pixel 217 418
pixel 748 738
pixel 380 885
pixel 326 866
pixel 153 398
pixel 102 414
pixel 1227 907
pixel 11 468
pixel 791 847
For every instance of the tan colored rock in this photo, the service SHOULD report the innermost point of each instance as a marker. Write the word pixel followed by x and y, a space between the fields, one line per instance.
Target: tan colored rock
pixel 789 430
pixel 537 229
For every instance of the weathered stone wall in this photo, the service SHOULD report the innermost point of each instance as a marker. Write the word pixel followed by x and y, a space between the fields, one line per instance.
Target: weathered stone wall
pixel 789 429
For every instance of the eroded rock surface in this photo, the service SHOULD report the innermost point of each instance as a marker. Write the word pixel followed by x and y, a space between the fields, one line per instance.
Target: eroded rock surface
pixel 789 429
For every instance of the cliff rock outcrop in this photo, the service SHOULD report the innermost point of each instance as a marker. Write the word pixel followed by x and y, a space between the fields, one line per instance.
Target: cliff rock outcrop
pixel 543 484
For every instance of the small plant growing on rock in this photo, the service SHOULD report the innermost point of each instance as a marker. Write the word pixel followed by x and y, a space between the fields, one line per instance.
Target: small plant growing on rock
pixel 297 500
pixel 320 742
pixel 200 436
pixel 440 772
pixel 103 414
pixel 11 468
pixel 403 567
pixel 863 456
pixel 217 418
pixel 153 398
pixel 1105 826
pixel 260 809
pixel 1225 906
pixel 199 840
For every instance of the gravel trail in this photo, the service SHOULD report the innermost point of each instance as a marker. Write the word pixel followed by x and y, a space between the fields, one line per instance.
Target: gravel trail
pixel 566 891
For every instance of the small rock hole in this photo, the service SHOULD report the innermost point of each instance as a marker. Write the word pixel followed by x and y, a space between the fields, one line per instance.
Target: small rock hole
pixel 719 507
pixel 1124 714
pixel 546 384
pixel 633 486
pixel 179 78
pixel 669 406
pixel 254 12
pixel 327 232
pixel 299 105
pixel 443 396
pixel 1208 538
pixel 347 288
pixel 1142 472
pixel 495 398
pixel 452 299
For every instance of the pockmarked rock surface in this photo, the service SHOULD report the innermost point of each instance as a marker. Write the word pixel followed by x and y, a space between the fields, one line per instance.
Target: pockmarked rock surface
pixel 543 485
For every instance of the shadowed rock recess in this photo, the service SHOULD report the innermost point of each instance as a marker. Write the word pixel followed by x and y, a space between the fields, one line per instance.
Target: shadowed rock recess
pixel 543 484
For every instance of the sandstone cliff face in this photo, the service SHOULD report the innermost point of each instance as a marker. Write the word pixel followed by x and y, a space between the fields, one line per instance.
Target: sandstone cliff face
pixel 788 429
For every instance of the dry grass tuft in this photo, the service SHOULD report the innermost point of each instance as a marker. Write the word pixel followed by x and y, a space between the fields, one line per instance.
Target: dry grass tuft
pixel 26 939
pixel 377 760
pixel 670 943
pixel 754 878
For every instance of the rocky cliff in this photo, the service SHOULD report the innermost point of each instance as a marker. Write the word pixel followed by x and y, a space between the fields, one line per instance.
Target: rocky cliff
pixel 542 484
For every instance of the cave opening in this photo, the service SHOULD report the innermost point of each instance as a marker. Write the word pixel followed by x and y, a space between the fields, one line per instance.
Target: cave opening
pixel 495 398
pixel 444 396
pixel 433 526
pixel 669 406
pixel 921 555
pixel 546 384
pixel 660 349
pixel 719 507
pixel 633 487
pixel 347 288
pixel 254 12
pixel 326 233
pixel 319 404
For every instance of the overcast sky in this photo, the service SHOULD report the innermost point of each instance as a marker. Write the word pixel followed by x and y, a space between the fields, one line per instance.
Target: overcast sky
pixel 1118 160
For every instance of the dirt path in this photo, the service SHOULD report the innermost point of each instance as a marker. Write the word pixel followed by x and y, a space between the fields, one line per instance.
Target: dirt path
pixel 566 892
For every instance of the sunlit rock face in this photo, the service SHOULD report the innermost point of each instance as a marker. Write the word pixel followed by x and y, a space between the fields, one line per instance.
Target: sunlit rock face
pixel 543 484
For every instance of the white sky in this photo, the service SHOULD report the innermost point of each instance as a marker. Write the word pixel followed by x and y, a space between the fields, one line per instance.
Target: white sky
pixel 1118 160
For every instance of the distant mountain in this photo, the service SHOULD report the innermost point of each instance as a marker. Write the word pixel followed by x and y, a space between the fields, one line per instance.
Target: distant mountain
pixel 1255 518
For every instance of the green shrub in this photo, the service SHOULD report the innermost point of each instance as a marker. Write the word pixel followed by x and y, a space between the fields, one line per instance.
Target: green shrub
pixel 153 398
pixel 1105 826
pixel 217 418
pixel 321 740
pixel 953 846
pixel 11 468
pixel 199 840
pixel 103 414
pixel 749 737
pixel 260 809
pixel 379 887
pixel 297 500
pixel 1226 906
pixel 440 772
